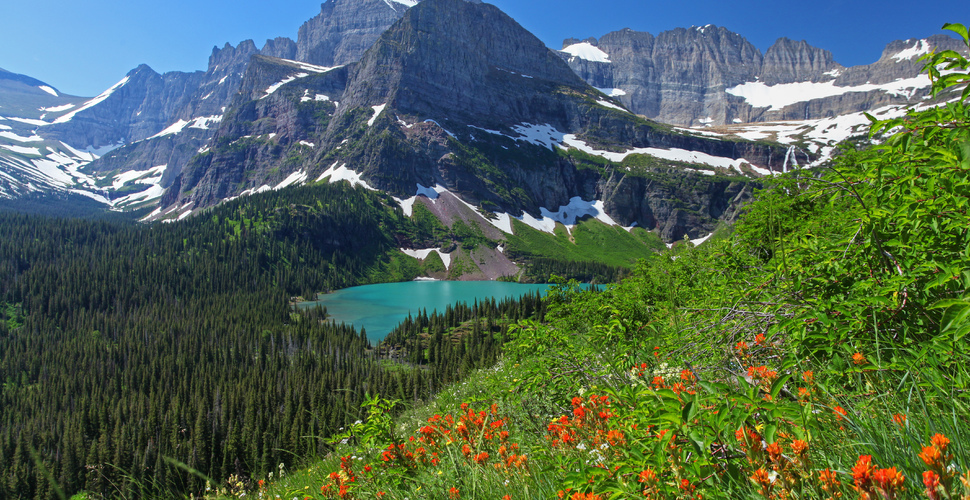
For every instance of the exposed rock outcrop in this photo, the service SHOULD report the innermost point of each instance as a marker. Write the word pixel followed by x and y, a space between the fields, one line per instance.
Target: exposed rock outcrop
pixel 694 77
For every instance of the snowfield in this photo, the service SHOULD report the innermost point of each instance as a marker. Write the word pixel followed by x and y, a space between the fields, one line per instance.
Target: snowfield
pixel 779 96
pixel 587 51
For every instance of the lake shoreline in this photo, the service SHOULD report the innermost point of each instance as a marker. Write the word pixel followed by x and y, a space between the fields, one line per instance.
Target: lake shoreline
pixel 379 308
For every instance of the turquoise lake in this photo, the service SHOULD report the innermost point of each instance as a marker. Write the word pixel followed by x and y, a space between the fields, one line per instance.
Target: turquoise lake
pixel 380 308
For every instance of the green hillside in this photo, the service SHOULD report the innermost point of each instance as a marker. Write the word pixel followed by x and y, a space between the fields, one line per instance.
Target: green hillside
pixel 818 352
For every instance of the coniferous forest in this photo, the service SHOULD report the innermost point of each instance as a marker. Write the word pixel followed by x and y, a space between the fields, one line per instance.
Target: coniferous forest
pixel 137 360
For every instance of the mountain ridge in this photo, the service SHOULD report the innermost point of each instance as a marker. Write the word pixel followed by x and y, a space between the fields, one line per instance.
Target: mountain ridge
pixel 663 78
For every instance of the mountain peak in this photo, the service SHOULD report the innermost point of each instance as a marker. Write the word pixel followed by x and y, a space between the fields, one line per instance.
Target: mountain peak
pixel 788 61
pixel 446 58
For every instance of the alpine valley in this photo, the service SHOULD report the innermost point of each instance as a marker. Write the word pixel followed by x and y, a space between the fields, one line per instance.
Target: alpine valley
pixel 454 106
pixel 158 237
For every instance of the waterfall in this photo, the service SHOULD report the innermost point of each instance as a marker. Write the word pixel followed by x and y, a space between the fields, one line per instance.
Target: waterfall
pixel 790 156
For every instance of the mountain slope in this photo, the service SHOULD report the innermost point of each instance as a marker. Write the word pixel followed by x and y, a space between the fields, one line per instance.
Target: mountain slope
pixel 458 97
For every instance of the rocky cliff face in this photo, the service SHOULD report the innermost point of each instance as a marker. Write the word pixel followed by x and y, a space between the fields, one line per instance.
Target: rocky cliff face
pixel 788 61
pixel 458 95
pixel 344 29
pixel 711 76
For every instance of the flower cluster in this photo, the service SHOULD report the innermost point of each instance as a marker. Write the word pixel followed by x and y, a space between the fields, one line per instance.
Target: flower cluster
pixel 590 425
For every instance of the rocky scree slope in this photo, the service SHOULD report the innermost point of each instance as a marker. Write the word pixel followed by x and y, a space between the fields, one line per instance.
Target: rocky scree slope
pixel 457 99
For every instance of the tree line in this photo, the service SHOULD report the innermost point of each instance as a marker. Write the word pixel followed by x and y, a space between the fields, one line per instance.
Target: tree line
pixel 136 360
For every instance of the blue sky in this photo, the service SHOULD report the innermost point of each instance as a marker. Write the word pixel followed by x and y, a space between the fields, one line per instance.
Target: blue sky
pixel 84 47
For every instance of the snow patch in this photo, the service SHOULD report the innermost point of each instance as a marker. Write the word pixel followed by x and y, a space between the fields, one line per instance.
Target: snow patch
pixel 19 138
pixel 431 193
pixel 29 121
pixel 172 129
pixel 540 135
pixel 151 176
pixel 609 104
pixel 312 68
pixel 203 122
pixel 49 90
pixel 586 50
pixel 377 112
pixel 918 49
pixel 424 253
pixel 21 150
pixel 57 109
pixel 406 3
pixel 569 215
pixel 308 144
pixel 759 95
pixel 93 102
pixel 153 192
pixel 298 177
pixel 276 86
pixel 673 154
pixel 698 241
pixel 612 92
pixel 342 173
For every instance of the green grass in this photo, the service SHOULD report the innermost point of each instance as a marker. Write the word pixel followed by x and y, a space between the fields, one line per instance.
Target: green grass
pixel 591 241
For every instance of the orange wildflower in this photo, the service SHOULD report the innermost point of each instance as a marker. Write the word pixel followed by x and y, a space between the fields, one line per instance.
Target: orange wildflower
pixel 859 359
pixel 932 456
pixel 763 479
pixel 742 347
pixel 900 419
pixel 687 376
pixel 615 437
pixel 932 483
pixel 862 474
pixel 830 483
pixel 840 413
pixel 761 374
pixel 453 493
pixel 941 442
pixel 889 481
pixel 774 451
pixel 799 447
pixel 809 377
pixel 759 339
pixel 648 476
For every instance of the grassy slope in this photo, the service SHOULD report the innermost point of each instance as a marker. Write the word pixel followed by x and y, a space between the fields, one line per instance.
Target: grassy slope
pixel 591 240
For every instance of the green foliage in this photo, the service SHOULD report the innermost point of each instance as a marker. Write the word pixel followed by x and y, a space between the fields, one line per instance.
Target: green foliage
pixel 603 250
pixel 375 431
pixel 867 251
pixel 826 332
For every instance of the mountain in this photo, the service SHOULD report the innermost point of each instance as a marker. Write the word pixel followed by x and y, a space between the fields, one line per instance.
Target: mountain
pixel 456 101
pixel 30 164
pixel 711 76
